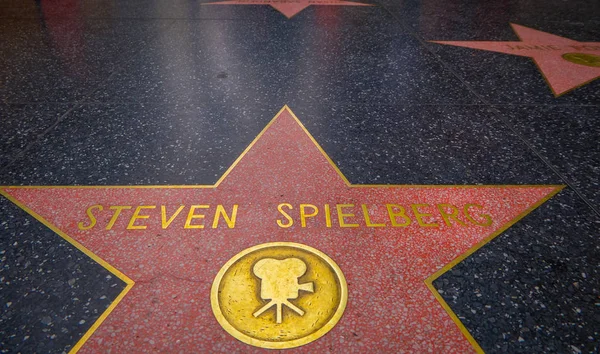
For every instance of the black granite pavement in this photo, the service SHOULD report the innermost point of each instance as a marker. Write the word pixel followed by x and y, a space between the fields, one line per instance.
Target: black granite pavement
pixel 132 92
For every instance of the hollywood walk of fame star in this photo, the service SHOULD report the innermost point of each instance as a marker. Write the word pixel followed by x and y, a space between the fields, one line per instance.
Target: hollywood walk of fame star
pixel 565 64
pixel 289 8
pixel 169 242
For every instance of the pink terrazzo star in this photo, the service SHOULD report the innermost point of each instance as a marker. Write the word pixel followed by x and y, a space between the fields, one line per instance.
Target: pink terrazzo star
pixel 169 242
pixel 566 64
pixel 289 7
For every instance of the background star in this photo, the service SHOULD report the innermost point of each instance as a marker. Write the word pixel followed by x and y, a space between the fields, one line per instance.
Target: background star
pixel 565 64
pixel 289 7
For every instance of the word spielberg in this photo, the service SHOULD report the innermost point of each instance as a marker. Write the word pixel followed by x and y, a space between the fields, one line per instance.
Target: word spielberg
pixel 285 215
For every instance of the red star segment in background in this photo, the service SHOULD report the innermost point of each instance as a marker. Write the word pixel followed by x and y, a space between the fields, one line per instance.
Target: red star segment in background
pixel 547 51
pixel 392 306
pixel 289 7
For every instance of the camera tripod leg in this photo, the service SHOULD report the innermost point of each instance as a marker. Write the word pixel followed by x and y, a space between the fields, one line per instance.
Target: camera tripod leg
pixel 264 308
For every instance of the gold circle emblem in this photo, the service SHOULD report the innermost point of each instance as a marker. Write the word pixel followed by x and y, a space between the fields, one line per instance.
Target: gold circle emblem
pixel 583 59
pixel 279 295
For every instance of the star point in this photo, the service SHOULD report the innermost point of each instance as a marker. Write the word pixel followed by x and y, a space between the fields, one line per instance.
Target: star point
pixel 290 8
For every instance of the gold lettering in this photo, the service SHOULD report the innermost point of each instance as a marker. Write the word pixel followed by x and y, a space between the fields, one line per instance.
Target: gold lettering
pixel 163 214
pixel 304 216
pixel 453 214
pixel 368 218
pixel 117 209
pixel 136 215
pixel 91 217
pixel 192 215
pixel 230 221
pixel 393 215
pixel 419 215
pixel 342 215
pixel 327 216
pixel 488 219
pixel 285 215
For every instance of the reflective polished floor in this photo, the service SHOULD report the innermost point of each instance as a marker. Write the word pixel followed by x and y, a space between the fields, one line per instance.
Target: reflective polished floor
pixel 423 176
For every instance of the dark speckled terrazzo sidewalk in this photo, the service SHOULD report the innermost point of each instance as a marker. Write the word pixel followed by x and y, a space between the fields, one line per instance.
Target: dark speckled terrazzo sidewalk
pixel 142 93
